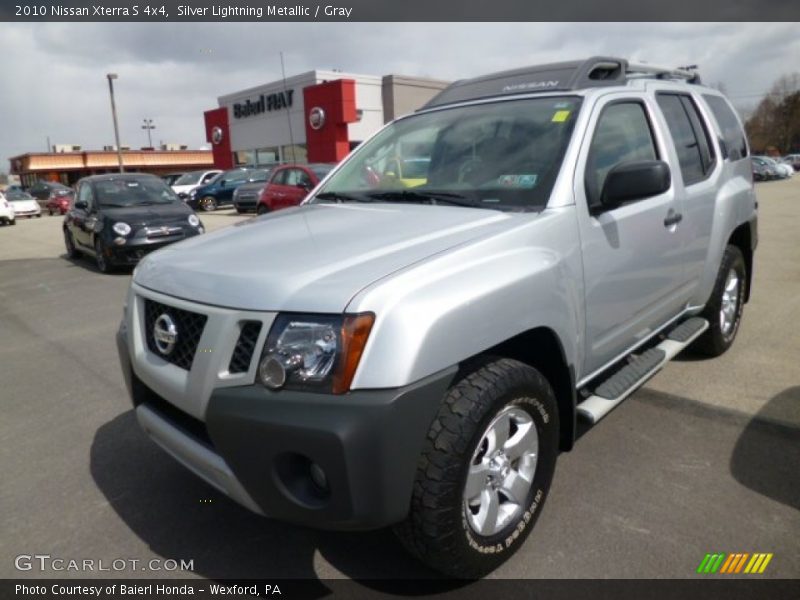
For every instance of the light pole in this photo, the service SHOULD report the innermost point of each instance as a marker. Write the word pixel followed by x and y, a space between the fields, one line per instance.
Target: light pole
pixel 148 124
pixel 111 77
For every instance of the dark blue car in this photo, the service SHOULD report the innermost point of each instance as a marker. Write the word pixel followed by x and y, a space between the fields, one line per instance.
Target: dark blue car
pixel 219 191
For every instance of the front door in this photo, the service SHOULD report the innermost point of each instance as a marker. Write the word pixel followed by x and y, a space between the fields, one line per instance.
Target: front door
pixel 632 254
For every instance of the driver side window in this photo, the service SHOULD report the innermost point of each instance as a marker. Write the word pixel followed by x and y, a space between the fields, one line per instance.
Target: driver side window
pixel 85 195
pixel 622 135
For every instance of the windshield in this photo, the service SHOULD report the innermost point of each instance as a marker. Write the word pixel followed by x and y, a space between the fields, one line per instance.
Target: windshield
pixel 118 193
pixel 503 155
pixel 16 196
pixel 192 178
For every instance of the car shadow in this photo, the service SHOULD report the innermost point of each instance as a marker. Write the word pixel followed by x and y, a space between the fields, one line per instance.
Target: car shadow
pixel 766 458
pixel 179 516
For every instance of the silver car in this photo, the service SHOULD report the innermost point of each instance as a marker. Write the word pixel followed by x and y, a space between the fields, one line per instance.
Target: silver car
pixel 416 352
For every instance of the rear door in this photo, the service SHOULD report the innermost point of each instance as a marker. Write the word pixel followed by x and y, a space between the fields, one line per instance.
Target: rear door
pixel 697 178
pixel 633 268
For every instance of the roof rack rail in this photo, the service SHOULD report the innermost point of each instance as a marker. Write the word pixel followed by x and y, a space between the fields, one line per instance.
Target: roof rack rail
pixel 689 72
pixel 597 71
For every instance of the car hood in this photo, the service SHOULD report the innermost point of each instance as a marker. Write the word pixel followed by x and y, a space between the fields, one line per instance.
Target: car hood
pixel 183 189
pixel 24 204
pixel 140 216
pixel 312 258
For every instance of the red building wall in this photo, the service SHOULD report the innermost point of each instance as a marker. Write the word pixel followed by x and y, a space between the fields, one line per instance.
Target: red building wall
pixel 221 149
pixel 330 143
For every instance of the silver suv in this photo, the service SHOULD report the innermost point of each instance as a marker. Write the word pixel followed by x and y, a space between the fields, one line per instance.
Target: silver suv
pixel 415 348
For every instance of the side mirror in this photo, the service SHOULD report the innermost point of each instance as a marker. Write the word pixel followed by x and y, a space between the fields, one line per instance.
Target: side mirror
pixel 222 183
pixel 82 204
pixel 634 181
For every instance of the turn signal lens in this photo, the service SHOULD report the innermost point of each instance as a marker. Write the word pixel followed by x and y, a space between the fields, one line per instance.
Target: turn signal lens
pixel 355 331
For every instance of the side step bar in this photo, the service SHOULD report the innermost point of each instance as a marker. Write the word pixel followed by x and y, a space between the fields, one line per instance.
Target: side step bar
pixel 609 393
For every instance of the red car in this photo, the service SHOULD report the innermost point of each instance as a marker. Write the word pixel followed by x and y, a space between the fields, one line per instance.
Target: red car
pixel 59 201
pixel 289 185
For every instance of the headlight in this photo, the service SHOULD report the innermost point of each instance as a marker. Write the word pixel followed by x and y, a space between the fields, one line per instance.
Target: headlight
pixel 122 229
pixel 314 352
pixel 194 221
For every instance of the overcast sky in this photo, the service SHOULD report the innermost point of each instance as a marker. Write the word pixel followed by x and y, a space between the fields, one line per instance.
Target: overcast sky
pixel 55 85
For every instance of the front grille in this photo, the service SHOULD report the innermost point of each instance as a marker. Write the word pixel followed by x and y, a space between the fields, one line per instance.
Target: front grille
pixel 243 353
pixel 189 326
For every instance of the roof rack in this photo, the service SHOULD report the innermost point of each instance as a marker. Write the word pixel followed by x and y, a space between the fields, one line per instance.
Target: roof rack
pixel 597 71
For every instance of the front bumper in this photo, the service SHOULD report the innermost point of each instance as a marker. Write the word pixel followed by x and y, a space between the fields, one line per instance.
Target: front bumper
pixel 257 446
pixel 139 246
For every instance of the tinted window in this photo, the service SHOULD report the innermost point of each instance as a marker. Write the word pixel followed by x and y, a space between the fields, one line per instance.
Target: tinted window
pixel 732 134
pixel 622 135
pixel 691 140
pixel 85 195
pixel 121 192
pixel 683 136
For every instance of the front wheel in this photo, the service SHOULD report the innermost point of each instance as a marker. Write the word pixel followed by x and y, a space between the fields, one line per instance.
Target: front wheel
pixel 100 257
pixel 724 308
pixel 208 203
pixel 69 243
pixel 485 470
pixel 262 209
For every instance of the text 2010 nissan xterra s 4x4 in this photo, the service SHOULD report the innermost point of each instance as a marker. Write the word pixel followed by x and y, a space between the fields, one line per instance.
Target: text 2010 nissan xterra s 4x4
pixel 416 352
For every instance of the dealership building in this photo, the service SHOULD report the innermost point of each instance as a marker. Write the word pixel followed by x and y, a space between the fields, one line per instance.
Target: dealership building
pixel 318 116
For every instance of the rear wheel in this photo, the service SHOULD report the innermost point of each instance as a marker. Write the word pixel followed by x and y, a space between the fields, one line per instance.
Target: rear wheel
pixel 724 309
pixel 208 203
pixel 485 470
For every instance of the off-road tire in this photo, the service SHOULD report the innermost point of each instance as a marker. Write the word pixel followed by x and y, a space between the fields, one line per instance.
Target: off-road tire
pixel 714 340
pixel 436 529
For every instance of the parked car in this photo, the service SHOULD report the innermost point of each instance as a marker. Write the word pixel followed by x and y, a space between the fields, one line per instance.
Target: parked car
pixel 761 172
pixel 59 201
pixel 794 160
pixel 171 178
pixel 768 170
pixel 245 197
pixel 418 358
pixel 7 216
pixel 777 170
pixel 119 218
pixel 289 185
pixel 24 204
pixel 219 191
pixel 41 189
pixel 184 185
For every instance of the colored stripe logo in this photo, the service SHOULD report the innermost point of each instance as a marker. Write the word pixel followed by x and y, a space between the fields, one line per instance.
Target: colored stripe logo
pixel 737 562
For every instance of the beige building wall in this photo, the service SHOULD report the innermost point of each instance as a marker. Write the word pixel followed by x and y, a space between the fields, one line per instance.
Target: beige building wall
pixel 403 95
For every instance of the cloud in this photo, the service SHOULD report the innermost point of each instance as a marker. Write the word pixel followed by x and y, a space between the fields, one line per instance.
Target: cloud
pixel 55 81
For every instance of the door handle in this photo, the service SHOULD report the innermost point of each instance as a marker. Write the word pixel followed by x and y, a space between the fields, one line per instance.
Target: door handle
pixel 672 218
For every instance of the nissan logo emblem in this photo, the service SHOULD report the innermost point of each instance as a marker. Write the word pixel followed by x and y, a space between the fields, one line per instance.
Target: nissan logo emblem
pixel 316 118
pixel 165 334
pixel 216 135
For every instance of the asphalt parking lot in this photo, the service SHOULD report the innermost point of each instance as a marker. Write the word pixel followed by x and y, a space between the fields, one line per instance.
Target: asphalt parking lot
pixel 705 458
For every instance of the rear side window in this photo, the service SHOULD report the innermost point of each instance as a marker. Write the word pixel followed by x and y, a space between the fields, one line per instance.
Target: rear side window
pixel 735 142
pixel 692 143
pixel 622 135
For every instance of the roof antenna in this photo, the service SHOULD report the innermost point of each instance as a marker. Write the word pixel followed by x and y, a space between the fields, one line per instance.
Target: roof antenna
pixel 288 111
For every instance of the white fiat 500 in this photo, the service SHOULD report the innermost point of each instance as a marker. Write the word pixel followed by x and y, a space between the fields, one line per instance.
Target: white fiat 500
pixel 24 204
pixel 7 215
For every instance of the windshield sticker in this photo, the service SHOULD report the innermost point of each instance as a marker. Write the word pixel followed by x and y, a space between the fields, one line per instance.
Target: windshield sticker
pixel 525 181
pixel 560 116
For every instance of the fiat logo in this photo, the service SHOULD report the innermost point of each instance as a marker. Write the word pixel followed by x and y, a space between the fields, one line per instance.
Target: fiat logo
pixel 316 118
pixel 165 334
pixel 217 135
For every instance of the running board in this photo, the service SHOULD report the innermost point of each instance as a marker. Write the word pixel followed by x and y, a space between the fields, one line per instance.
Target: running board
pixel 609 393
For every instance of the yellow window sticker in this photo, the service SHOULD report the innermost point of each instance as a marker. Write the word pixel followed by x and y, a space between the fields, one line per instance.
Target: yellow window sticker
pixel 560 116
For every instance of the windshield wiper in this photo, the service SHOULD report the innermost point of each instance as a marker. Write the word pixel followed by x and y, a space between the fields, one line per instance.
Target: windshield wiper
pixel 341 197
pixel 431 197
